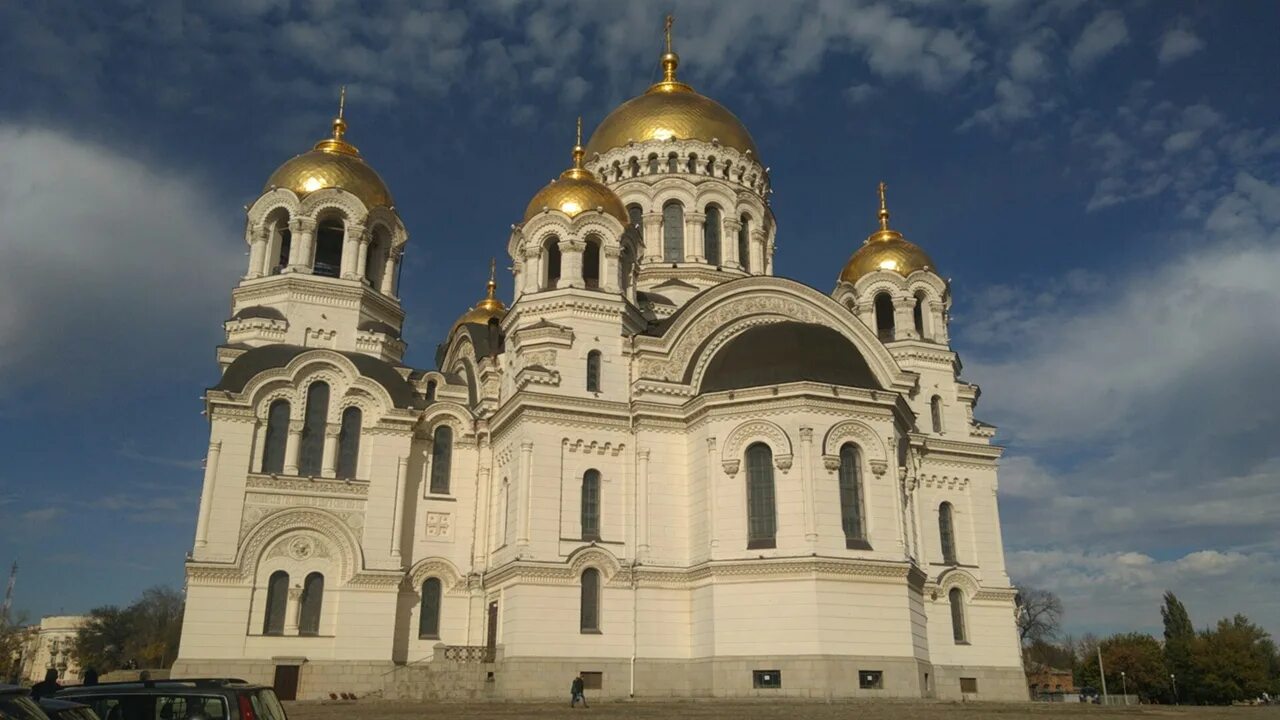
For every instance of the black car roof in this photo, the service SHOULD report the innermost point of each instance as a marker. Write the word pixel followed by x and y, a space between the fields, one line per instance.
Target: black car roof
pixel 146 687
pixel 49 703
pixel 13 690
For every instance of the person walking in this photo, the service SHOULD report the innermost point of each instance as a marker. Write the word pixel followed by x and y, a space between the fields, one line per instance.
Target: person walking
pixel 48 687
pixel 576 692
pixel 90 677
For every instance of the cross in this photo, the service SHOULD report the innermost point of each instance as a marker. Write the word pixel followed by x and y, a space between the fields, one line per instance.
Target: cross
pixel 667 29
pixel 342 100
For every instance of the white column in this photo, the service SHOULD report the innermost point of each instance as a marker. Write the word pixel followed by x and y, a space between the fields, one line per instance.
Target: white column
pixel 353 241
pixel 532 269
pixel 610 277
pixel 257 251
pixel 302 246
pixel 484 491
pixel 388 272
pixel 712 476
pixel 571 263
pixel 362 258
pixel 642 502
pixel 293 611
pixel 206 493
pixel 899 477
pixel 729 243
pixel 756 245
pixel 904 323
pixel 694 222
pixel 397 518
pixel 292 446
pixel 329 461
pixel 526 491
pixel 807 484
pixel 651 229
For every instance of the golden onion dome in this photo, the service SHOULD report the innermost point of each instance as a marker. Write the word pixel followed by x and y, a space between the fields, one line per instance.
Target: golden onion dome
pixel 885 249
pixel 487 309
pixel 332 163
pixel 670 109
pixel 577 191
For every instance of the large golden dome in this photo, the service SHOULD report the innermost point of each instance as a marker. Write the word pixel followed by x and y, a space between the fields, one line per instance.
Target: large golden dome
pixel 332 163
pixel 487 309
pixel 576 191
pixel 668 110
pixel 885 249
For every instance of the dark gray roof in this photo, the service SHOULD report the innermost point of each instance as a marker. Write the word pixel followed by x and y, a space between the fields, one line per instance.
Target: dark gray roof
pixel 787 352
pixel 250 364
pixel 258 311
pixel 378 327
pixel 676 283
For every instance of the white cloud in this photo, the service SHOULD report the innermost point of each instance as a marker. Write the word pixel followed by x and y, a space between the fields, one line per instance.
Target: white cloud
pixel 1100 37
pixel 1177 44
pixel 106 263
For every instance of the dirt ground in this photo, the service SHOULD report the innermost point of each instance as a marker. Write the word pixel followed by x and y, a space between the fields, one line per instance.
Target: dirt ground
pixel 737 710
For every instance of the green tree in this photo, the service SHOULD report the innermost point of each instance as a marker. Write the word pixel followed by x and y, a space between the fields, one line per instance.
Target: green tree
pixel 15 642
pixel 1137 655
pixel 1234 661
pixel 1179 642
pixel 146 632
pixel 102 642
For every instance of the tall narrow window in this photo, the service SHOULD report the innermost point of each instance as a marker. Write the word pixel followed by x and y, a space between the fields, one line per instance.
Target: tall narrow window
pixel 431 390
pixel 884 316
pixel 286 244
pixel 935 409
pixel 917 315
pixel 761 517
pixel 635 214
pixel 593 371
pixel 634 167
pixel 375 263
pixel 312 597
pixel 591 263
pixel 653 164
pixel 273 446
pixel 330 235
pixel 441 457
pixel 277 603
pixel 591 505
pixel 851 496
pixel 692 164
pixel 429 618
pixel 551 262
pixel 311 450
pixel 672 232
pixel 711 236
pixel 956 596
pixel 673 163
pixel 744 243
pixel 589 615
pixel 946 531
pixel 349 442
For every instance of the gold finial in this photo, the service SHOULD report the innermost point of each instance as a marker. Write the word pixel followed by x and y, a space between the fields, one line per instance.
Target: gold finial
pixel 670 60
pixel 579 140
pixel 671 19
pixel 342 100
pixel 337 143
pixel 339 124
pixel 884 208
pixel 578 153
pixel 884 233
pixel 493 282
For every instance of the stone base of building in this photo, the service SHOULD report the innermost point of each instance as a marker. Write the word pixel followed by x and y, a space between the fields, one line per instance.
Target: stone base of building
pixel 814 677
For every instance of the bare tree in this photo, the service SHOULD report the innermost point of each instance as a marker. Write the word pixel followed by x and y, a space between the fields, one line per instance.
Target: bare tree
pixel 1039 614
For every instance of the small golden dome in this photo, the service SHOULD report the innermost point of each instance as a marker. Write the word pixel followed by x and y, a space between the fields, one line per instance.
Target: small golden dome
pixel 577 191
pixel 488 308
pixel 671 109
pixel 885 249
pixel 332 163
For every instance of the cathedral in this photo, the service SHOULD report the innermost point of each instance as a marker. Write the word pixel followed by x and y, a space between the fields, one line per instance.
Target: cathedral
pixel 658 465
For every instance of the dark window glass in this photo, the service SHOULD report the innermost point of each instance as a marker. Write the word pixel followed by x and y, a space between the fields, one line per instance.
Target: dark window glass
pixel 653 164
pixel 429 621
pixel 311 451
pixel 917 315
pixel 329 239
pixel 636 214
pixel 969 685
pixel 672 232
pixel 766 679
pixel 286 242
pixel 591 505
pixel 871 679
pixel 277 437
pixel 744 243
pixel 592 680
pixel 851 492
pixel 431 390
pixel 589 617
pixel 761 520
pixel 673 163
pixel 957 614
pixel 593 371
pixel 947 534
pixel 441 457
pixel 935 409
pixel 884 317
pixel 375 263
pixel 552 250
pixel 711 236
pixel 349 442
pixel 312 597
pixel 277 602
pixel 591 263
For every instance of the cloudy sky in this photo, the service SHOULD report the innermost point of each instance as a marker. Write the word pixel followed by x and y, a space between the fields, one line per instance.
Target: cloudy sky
pixel 1100 180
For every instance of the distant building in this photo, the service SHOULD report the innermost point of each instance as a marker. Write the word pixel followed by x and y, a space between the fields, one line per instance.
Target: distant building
pixel 1045 680
pixel 50 647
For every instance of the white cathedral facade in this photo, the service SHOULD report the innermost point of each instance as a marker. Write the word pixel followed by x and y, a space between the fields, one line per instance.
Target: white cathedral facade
pixel 661 465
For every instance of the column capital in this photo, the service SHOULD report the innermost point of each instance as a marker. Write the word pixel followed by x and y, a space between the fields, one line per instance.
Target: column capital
pixel 302 224
pixel 806 434
pixel 295 426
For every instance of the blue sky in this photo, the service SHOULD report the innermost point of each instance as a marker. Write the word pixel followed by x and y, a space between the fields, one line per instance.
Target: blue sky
pixel 1101 182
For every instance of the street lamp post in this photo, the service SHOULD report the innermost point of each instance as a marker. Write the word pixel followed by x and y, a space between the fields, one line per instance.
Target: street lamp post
pixel 1173 679
pixel 1124 686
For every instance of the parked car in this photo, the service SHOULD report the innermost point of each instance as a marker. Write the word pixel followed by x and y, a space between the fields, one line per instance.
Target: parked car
pixel 196 699
pixel 66 710
pixel 16 705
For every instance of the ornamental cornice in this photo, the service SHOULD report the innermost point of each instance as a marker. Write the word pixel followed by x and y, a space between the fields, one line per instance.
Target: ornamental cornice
pixel 599 412
pixel 308 485
pixel 961 450
pixel 593 447
pixel 376 580
pixel 943 482
pixel 224 411
pixel 536 375
pixel 208 573
pixel 320 290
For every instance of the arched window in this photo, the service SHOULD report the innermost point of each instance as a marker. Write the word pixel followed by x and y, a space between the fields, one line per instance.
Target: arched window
pixel 673 163
pixel 375 263
pixel 591 262
pixel 653 163
pixel 277 437
pixel 431 390
pixel 591 505
pixel 312 597
pixel 711 235
pixel 935 409
pixel 744 243
pixel 884 316
pixel 617 171
pixel 711 166
pixel 589 615
pixel 429 617
pixel 851 496
pixel 593 371
pixel 946 532
pixel 349 442
pixel 634 167
pixel 441 457
pixel 672 232
pixel 277 603
pixel 282 242
pixel 551 262
pixel 956 596
pixel 311 449
pixel 692 164
pixel 917 315
pixel 635 214
pixel 761 518
pixel 330 235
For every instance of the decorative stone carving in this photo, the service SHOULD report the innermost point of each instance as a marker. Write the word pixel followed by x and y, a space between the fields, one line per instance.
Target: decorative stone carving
pixel 440 525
